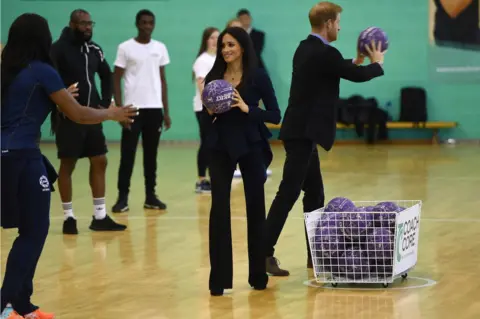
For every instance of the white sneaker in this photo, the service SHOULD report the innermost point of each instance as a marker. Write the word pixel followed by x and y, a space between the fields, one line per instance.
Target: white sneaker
pixel 237 173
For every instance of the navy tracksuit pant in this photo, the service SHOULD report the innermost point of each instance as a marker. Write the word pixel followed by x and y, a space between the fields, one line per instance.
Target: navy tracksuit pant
pixel 25 205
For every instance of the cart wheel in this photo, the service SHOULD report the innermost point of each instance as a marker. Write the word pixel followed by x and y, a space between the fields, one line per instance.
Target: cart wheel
pixel 404 276
pixel 385 285
pixel 334 284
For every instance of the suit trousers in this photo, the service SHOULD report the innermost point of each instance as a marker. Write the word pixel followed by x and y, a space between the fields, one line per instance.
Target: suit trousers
pixel 148 123
pixel 301 171
pixel 221 169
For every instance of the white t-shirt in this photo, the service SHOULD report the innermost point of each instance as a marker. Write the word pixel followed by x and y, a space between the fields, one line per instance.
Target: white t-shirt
pixel 203 64
pixel 142 62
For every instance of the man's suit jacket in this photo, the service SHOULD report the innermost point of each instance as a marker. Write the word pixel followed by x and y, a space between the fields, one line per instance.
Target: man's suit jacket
pixel 258 40
pixel 314 91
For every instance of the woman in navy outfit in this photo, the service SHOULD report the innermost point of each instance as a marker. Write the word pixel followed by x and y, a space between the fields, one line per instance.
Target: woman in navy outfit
pixel 31 88
pixel 239 136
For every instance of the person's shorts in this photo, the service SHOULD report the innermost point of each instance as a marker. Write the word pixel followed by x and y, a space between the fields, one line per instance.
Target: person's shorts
pixel 75 140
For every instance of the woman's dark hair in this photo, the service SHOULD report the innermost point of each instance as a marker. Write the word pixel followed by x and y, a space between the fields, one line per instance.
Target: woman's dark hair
pixel 29 39
pixel 249 59
pixel 204 44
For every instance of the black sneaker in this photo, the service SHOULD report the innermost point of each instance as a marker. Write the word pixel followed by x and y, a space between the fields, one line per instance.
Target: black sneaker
pixel 106 224
pixel 152 202
pixel 121 206
pixel 203 187
pixel 70 226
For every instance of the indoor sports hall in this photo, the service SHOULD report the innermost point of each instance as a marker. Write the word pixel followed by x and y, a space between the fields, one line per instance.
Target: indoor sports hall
pixel 410 137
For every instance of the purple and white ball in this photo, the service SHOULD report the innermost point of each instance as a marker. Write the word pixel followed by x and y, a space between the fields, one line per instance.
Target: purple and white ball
pixel 354 264
pixel 356 225
pixel 380 243
pixel 328 241
pixel 374 34
pixel 331 220
pixel 340 204
pixel 387 214
pixel 217 96
pixel 385 207
pixel 331 263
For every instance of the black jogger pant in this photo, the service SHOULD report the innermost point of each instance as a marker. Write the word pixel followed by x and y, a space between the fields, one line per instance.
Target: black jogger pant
pixel 149 124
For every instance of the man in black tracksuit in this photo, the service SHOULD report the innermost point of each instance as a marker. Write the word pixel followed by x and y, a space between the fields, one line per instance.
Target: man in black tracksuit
pixel 77 59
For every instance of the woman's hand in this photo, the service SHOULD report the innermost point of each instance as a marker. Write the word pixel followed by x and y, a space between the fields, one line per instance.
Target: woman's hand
pixel 239 102
pixel 122 114
pixel 72 89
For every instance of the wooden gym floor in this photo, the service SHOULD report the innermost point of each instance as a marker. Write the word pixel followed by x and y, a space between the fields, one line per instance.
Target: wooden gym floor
pixel 159 268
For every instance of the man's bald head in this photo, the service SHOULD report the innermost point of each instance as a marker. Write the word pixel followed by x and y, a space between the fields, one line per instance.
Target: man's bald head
pixel 76 15
pixel 81 24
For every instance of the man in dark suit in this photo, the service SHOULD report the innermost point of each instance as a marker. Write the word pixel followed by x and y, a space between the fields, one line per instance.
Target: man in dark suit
pixel 310 118
pixel 257 36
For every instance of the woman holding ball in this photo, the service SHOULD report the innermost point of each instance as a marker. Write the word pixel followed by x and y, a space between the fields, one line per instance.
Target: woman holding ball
pixel 239 136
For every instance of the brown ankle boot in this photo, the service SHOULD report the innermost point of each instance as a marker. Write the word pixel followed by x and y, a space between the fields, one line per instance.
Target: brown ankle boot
pixel 273 269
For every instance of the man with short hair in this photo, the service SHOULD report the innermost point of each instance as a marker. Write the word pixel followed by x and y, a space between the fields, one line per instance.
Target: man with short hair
pixel 141 63
pixel 257 36
pixel 77 59
pixel 310 118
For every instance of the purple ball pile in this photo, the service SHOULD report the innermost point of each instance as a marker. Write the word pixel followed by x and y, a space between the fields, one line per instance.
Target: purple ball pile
pixel 217 96
pixel 356 242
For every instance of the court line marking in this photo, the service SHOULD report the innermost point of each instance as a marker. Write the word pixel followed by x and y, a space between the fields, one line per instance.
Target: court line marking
pixel 428 282
pixel 162 216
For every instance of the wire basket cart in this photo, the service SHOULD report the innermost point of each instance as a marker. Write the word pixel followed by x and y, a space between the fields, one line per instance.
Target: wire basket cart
pixel 371 242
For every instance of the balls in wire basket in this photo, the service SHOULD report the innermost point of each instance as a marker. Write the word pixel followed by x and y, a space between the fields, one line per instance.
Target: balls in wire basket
pixel 355 243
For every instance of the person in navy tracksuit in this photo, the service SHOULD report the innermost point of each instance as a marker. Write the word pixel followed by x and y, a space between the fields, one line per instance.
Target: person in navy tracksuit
pixel 31 88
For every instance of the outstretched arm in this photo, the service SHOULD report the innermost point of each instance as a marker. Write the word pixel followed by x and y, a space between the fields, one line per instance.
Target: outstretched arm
pixel 348 70
pixel 50 80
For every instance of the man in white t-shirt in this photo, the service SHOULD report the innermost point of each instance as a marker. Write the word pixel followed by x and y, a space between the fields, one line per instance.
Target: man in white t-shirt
pixel 141 63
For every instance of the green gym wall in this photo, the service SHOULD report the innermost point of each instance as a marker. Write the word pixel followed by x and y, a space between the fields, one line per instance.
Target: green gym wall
pixel 180 24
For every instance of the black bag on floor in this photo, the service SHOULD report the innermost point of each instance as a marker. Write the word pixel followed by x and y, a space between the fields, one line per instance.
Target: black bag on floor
pixel 413 105
pixel 361 112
